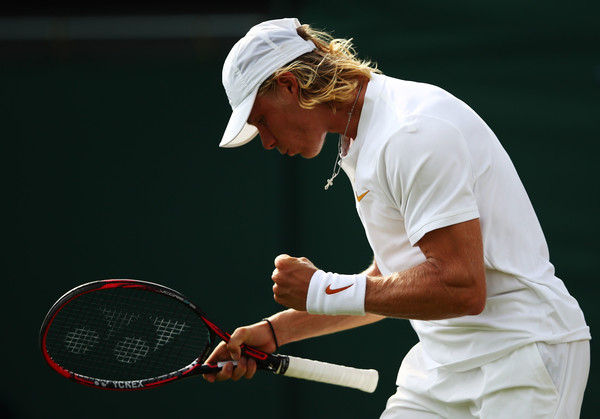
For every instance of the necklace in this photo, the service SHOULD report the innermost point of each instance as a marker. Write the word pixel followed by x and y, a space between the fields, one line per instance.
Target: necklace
pixel 338 162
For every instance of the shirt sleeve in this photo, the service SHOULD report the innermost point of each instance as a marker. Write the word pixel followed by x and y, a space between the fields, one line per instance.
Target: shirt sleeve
pixel 427 168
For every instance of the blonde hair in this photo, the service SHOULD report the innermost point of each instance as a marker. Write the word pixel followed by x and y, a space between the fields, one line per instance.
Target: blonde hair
pixel 327 75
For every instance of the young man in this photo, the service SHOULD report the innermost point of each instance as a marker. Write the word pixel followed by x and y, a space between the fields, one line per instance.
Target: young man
pixel 457 247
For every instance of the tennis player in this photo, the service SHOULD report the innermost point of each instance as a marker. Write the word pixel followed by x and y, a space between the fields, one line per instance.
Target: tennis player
pixel 457 247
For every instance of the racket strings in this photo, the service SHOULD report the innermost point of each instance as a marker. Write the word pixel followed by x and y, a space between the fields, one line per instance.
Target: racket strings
pixel 167 330
pixel 81 340
pixel 126 334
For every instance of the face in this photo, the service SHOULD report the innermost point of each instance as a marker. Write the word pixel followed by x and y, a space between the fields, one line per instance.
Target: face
pixel 284 125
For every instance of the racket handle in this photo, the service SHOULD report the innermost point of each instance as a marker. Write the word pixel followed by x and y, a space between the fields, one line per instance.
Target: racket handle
pixel 361 379
pixel 213 368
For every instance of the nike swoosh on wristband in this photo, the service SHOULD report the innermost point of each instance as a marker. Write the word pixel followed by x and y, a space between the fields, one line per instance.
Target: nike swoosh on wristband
pixel 361 196
pixel 330 291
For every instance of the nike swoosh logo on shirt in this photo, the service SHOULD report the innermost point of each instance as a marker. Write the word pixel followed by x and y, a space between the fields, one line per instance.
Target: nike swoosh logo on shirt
pixel 361 196
pixel 330 291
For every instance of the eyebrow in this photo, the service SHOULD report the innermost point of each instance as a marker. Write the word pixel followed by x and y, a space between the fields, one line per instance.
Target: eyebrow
pixel 254 121
pixel 250 119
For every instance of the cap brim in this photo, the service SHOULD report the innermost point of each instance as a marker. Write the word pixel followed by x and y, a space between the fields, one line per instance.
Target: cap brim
pixel 238 131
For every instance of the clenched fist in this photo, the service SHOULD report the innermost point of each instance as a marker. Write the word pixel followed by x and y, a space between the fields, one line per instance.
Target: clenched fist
pixel 291 278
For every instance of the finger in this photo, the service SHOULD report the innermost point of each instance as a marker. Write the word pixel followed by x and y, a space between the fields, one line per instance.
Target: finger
pixel 240 370
pixel 276 276
pixel 224 374
pixel 220 353
pixel 239 337
pixel 283 260
pixel 234 350
pixel 281 257
pixel 251 368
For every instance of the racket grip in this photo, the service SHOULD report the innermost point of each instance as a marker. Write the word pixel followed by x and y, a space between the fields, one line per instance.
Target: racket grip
pixel 361 379
pixel 213 368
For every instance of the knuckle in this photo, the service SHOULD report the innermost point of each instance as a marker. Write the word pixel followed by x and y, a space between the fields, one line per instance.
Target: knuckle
pixel 283 261
pixel 231 346
pixel 280 258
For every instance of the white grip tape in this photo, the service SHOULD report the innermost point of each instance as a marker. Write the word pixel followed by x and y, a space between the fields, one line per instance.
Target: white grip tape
pixel 361 379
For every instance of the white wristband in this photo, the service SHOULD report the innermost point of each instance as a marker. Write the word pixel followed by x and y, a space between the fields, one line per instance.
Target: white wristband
pixel 332 294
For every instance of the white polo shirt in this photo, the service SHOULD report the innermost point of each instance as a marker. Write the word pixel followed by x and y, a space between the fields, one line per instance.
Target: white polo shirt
pixel 423 160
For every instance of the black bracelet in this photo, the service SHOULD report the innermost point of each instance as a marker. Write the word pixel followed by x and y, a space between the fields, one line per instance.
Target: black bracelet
pixel 274 335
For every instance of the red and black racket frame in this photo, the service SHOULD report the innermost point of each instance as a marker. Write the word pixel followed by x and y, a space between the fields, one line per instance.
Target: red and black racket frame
pixel 265 361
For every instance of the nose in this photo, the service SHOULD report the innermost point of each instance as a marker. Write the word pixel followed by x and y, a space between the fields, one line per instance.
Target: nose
pixel 268 141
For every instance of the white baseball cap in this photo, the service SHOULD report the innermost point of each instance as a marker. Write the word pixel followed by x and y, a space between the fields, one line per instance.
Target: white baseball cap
pixel 266 48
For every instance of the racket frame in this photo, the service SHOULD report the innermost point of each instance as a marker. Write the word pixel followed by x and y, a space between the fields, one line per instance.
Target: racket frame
pixel 361 379
pixel 271 362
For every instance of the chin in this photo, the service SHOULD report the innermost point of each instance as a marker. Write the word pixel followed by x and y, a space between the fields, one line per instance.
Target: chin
pixel 309 155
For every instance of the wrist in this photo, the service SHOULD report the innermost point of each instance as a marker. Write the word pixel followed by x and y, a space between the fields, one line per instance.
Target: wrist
pixel 336 294
pixel 272 332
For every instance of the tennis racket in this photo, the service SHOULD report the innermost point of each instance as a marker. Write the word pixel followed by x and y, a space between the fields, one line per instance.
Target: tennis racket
pixel 125 334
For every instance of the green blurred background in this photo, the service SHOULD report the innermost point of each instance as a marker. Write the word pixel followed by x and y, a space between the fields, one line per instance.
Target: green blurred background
pixel 111 115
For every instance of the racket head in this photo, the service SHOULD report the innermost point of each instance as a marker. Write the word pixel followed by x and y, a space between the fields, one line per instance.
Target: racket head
pixel 126 334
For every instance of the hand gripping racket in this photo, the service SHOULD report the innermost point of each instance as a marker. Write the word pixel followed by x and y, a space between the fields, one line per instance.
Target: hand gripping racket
pixel 125 334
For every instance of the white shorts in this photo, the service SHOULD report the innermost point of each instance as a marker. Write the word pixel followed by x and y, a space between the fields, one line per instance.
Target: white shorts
pixel 535 381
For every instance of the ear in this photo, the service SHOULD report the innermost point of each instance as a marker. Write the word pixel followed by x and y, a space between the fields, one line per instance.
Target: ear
pixel 288 82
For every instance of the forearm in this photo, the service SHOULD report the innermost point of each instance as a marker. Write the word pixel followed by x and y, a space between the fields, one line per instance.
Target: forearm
pixel 292 325
pixel 424 292
pixel 449 283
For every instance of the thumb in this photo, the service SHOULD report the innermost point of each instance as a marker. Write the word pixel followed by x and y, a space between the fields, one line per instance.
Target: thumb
pixel 237 339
